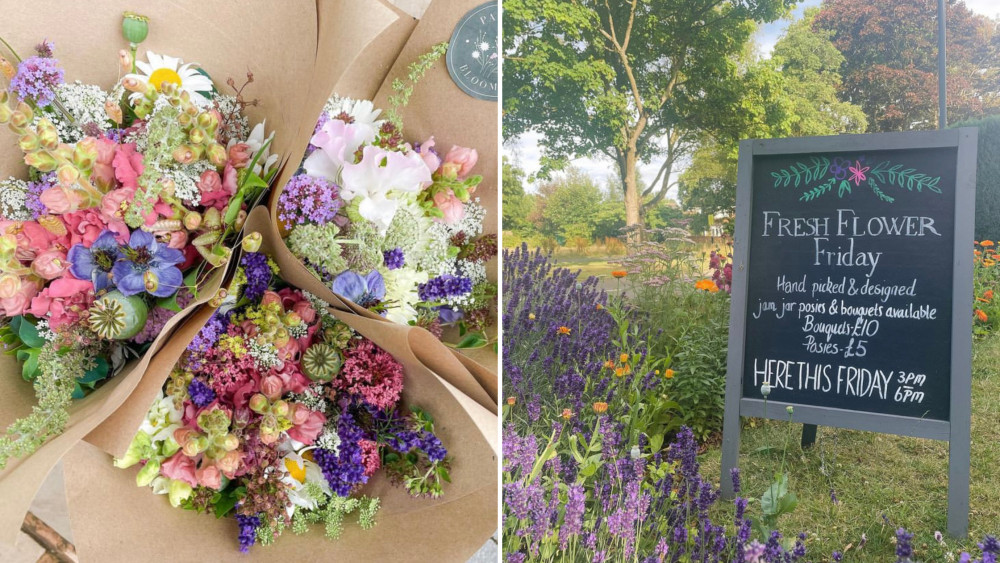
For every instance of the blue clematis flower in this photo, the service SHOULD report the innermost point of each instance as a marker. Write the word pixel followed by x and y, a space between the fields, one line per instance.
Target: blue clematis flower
pixel 95 263
pixel 148 265
pixel 365 291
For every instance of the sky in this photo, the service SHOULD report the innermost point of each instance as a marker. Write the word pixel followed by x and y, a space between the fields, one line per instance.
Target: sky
pixel 525 152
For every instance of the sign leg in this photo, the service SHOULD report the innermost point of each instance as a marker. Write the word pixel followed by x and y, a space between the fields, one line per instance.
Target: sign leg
pixel 730 442
pixel 808 435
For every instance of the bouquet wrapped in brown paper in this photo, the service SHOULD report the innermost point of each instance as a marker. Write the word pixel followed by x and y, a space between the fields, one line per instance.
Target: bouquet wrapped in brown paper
pixel 284 411
pixel 394 206
pixel 140 177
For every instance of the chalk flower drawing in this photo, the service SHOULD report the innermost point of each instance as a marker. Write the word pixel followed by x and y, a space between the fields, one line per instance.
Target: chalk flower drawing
pixel 840 173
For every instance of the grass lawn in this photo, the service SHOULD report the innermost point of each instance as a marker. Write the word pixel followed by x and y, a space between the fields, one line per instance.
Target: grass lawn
pixel 904 479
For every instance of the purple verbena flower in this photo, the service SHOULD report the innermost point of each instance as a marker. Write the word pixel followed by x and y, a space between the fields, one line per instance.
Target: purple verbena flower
pixel 308 199
pixel 32 197
pixel 148 265
pixel 36 80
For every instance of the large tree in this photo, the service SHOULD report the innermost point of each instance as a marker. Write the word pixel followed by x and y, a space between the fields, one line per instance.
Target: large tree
pixel 890 66
pixel 633 80
pixel 809 66
pixel 516 204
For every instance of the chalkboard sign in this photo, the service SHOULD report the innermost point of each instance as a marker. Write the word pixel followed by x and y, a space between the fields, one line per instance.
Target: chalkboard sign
pixel 852 288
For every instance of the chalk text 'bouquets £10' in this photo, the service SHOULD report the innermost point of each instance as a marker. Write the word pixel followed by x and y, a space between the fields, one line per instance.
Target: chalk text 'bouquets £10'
pixel 131 200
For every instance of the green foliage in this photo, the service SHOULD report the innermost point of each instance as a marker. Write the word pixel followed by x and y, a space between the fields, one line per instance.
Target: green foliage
pixel 516 204
pixel 987 176
pixel 890 60
pixel 631 81
pixel 403 89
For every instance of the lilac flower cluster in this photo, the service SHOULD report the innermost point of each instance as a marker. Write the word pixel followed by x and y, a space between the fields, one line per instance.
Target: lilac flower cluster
pixel 201 394
pixel 248 531
pixel 36 80
pixel 443 287
pixel 308 199
pixel 258 274
pixel 32 197
pixel 343 469
pixel 394 259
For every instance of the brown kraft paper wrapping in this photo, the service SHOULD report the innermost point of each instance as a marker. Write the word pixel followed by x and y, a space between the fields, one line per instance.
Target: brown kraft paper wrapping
pixel 277 41
pixel 114 520
pixel 438 107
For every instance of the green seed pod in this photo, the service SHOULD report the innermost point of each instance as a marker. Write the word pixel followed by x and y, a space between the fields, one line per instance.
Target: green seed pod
pixel 321 362
pixel 135 28
pixel 116 317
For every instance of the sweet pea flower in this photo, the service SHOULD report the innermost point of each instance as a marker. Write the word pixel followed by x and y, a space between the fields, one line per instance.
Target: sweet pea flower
pixel 62 301
pixel 49 265
pixel 449 204
pixel 380 174
pixel 308 431
pixel 21 298
pixel 429 155
pixel 60 199
pixel 459 162
pixel 128 165
pixel 335 142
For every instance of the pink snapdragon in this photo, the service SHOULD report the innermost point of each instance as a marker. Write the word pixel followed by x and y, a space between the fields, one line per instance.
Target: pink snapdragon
pixel 459 162
pixel 448 203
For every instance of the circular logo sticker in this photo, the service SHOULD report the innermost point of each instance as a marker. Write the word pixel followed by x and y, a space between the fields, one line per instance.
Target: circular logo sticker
pixel 473 53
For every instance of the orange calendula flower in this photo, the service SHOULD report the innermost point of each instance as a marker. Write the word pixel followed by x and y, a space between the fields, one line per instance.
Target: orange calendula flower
pixel 987 262
pixel 669 374
pixel 600 407
pixel 565 330
pixel 610 364
pixel 986 243
pixel 981 315
pixel 567 414
pixel 623 371
pixel 511 401
pixel 623 358
pixel 977 253
pixel 988 295
pixel 618 273
pixel 706 285
pixel 599 306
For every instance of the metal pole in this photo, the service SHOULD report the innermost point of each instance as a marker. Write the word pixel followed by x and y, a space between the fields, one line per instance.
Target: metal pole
pixel 942 90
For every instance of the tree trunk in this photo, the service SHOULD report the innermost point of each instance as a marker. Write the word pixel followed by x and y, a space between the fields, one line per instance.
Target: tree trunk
pixel 632 201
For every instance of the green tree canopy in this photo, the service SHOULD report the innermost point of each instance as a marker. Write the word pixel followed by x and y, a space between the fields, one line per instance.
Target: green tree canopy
pixel 516 204
pixel 630 80
pixel 890 60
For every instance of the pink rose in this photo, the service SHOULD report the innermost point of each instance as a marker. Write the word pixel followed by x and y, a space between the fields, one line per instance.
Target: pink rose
pixel 103 174
pixel 210 181
pixel 459 161
pixel 209 476
pixel 128 165
pixel 271 387
pixel 449 204
pixel 59 199
pixel 429 155
pixel 308 431
pixel 180 467
pixel 18 303
pixel 240 154
pixel 50 265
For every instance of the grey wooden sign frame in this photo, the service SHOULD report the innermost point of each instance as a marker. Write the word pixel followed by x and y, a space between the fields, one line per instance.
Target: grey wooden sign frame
pixel 956 430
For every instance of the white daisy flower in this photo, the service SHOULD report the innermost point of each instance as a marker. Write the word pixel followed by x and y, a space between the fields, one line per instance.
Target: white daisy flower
pixel 297 472
pixel 164 68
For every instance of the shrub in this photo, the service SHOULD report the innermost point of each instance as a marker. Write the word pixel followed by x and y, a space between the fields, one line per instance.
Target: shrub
pixel 987 176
